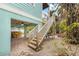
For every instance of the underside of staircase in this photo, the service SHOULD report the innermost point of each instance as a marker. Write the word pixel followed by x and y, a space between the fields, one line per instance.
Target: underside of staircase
pixel 38 36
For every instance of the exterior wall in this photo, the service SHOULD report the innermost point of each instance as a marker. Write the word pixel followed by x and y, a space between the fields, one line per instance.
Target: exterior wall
pixel 5 28
pixel 4 34
pixel 34 10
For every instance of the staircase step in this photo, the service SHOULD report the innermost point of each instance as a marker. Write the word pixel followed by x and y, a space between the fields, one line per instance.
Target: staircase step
pixel 34 39
pixel 33 42
pixel 32 46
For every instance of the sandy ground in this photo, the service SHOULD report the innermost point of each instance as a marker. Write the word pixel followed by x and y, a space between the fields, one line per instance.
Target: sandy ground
pixel 19 47
pixel 52 47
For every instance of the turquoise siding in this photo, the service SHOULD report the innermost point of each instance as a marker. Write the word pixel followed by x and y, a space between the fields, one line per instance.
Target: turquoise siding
pixel 4 34
pixel 35 10
pixel 5 28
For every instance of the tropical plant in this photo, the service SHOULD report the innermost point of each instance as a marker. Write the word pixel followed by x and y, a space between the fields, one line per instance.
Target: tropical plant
pixel 71 25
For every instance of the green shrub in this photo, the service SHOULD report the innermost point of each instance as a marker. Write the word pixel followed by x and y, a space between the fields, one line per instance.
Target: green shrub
pixel 63 26
pixel 72 30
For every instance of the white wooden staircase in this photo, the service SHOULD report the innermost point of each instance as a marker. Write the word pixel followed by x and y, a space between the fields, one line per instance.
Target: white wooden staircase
pixel 37 39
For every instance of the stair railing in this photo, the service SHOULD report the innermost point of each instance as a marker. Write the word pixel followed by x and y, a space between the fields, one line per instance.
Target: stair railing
pixel 32 33
pixel 43 31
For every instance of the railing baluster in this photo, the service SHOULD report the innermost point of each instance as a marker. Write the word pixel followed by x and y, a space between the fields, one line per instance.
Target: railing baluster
pixel 44 30
pixel 32 33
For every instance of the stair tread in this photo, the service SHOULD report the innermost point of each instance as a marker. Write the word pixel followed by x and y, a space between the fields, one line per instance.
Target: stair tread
pixel 33 42
pixel 34 39
pixel 32 46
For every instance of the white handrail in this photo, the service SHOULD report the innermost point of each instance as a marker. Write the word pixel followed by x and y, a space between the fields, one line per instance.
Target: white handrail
pixel 33 32
pixel 44 30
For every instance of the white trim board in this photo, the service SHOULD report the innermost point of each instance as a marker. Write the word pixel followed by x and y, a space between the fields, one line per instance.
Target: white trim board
pixel 17 11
